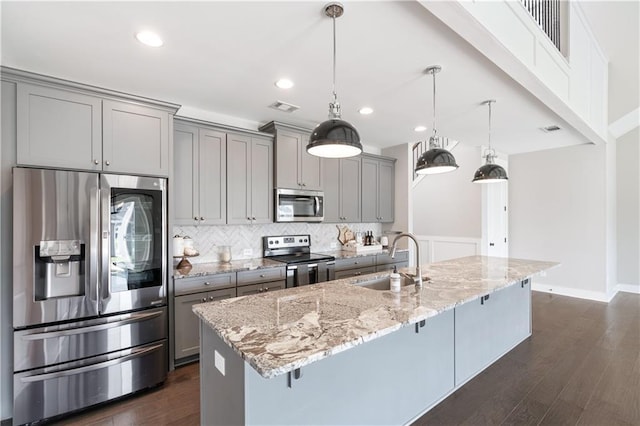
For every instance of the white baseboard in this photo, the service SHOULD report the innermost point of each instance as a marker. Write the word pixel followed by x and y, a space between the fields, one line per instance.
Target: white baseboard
pixel 598 296
pixel 628 288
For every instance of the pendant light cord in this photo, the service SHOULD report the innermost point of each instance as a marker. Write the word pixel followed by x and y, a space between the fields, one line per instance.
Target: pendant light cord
pixel 434 104
pixel 335 95
pixel 334 107
pixel 490 152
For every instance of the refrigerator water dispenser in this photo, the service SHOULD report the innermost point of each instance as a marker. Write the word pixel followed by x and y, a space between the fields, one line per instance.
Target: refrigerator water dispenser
pixel 59 269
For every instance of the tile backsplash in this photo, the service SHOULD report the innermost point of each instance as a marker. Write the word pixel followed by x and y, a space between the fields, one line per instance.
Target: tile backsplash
pixel 249 237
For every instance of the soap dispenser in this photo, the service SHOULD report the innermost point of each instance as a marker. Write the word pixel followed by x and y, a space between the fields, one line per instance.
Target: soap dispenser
pixel 395 280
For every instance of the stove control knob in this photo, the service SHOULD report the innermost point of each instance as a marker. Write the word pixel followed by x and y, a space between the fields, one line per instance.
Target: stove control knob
pixel 305 240
pixel 270 242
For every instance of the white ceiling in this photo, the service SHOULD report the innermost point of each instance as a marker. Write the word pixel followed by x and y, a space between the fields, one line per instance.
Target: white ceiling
pixel 225 56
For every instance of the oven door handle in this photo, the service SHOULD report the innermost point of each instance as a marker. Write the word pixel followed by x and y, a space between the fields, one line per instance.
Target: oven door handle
pixel 98 327
pixel 312 265
pixel 135 353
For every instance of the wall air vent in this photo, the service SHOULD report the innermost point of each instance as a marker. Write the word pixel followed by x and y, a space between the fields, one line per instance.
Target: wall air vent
pixel 284 107
pixel 552 128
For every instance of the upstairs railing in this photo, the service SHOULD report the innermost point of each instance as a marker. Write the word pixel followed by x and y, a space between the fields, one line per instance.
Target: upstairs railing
pixel 549 16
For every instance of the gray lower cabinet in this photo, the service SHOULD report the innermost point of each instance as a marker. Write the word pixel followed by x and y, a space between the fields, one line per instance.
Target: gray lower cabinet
pixel 188 292
pixel 486 329
pixel 200 175
pixel 342 192
pixel 349 273
pixel 249 179
pixel 355 266
pixel 378 186
pixel 261 288
pixel 76 130
pixel 261 280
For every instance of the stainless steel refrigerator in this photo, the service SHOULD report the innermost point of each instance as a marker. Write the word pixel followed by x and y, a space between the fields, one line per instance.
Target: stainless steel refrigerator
pixel 89 289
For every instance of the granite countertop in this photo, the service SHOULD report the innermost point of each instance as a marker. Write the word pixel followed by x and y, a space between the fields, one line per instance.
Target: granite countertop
pixel 212 268
pixel 277 332
pixel 340 254
pixel 203 269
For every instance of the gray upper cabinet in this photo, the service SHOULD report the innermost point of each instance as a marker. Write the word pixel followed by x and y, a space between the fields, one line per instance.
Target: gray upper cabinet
pixel 341 182
pixel 58 128
pixel 378 182
pixel 72 126
pixel 250 179
pixel 135 139
pixel 200 175
pixel 294 167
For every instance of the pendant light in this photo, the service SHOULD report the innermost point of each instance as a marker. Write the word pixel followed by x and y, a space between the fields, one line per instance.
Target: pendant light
pixel 436 159
pixel 490 172
pixel 334 138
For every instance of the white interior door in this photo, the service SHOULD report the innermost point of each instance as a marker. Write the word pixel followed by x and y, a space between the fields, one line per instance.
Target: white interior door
pixel 496 216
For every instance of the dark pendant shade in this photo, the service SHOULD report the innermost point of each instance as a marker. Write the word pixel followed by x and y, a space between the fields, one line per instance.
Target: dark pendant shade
pixel 435 160
pixel 490 172
pixel 334 138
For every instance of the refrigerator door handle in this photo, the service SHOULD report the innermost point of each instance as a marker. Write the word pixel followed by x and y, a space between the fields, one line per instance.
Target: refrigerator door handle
pixel 139 317
pixel 94 242
pixel 135 353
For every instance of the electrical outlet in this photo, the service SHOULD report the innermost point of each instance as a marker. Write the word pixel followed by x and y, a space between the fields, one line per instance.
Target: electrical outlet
pixel 247 252
pixel 334 245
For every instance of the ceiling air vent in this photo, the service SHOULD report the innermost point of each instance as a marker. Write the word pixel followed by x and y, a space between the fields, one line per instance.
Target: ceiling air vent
pixel 284 107
pixel 552 128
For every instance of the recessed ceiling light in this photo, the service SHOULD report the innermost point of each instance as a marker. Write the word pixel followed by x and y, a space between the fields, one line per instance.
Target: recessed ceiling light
pixel 365 110
pixel 149 38
pixel 420 128
pixel 284 83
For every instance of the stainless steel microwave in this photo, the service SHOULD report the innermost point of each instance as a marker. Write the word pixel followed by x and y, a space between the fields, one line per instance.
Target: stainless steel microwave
pixel 296 205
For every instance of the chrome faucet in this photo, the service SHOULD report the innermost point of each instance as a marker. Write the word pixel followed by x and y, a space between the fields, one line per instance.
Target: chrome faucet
pixel 417 279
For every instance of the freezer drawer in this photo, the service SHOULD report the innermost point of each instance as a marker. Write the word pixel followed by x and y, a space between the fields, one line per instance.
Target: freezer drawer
pixel 49 392
pixel 38 347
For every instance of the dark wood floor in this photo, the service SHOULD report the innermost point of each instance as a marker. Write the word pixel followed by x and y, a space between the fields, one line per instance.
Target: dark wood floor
pixel 580 367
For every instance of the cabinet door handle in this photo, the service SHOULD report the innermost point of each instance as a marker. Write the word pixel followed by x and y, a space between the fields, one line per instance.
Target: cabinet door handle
pixel 266 289
pixel 202 218
pixel 261 275
pixel 107 163
pixel 211 298
pixel 253 218
pixel 204 299
pixel 304 184
pixel 207 283
pixel 195 218
pixel 484 299
pixel 96 162
pixel 248 218
pixel 357 273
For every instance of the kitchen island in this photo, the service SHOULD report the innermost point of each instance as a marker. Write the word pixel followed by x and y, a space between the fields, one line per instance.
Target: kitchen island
pixel 338 352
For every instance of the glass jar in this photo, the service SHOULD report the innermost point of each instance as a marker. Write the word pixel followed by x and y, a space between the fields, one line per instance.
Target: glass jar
pixel 224 254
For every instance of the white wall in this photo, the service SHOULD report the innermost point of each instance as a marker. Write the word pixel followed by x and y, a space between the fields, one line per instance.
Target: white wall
pixel 628 214
pixel 449 204
pixel 558 213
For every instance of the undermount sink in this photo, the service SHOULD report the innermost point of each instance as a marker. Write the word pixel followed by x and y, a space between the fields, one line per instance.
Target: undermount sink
pixel 383 283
